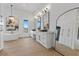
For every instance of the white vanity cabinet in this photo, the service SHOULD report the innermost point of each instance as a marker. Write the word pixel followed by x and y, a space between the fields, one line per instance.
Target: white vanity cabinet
pixel 45 38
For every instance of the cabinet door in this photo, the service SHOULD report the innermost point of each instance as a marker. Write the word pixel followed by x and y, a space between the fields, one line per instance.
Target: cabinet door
pixel 44 38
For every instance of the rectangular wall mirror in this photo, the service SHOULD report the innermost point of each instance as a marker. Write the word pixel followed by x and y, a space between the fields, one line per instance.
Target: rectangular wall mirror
pixel 46 21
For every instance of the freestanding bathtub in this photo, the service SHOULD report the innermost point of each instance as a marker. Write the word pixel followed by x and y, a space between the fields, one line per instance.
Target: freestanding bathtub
pixel 9 36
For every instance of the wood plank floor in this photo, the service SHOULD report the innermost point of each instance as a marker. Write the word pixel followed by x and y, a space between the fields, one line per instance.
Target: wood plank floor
pixel 26 47
pixel 66 50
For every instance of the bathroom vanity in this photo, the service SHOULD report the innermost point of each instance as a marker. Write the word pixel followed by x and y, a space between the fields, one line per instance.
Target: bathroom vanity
pixel 45 39
pixel 43 35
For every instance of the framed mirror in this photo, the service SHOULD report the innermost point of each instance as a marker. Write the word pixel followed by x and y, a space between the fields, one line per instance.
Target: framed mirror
pixel 46 21
pixel 43 20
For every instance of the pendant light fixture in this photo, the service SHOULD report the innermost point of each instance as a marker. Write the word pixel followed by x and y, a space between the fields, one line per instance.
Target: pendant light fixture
pixel 11 20
pixel 11 16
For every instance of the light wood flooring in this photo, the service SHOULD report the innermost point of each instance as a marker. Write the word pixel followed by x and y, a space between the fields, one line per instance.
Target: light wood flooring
pixel 26 47
pixel 66 50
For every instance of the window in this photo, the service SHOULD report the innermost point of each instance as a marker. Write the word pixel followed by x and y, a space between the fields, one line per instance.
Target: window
pixel 25 25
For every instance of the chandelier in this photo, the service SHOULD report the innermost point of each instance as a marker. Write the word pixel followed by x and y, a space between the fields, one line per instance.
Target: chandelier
pixel 11 21
pixel 11 17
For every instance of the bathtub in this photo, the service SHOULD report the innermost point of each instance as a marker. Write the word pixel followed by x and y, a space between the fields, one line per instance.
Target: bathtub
pixel 9 36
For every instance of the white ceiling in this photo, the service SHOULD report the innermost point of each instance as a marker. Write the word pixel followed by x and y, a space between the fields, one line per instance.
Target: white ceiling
pixel 28 7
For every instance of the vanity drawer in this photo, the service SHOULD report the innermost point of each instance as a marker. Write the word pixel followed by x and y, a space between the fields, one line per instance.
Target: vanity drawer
pixel 43 40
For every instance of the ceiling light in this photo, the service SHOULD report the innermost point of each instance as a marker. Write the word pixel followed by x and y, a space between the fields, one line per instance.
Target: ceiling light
pixel 11 16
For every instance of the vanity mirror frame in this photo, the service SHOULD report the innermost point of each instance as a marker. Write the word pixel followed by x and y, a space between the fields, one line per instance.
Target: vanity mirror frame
pixel 45 20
